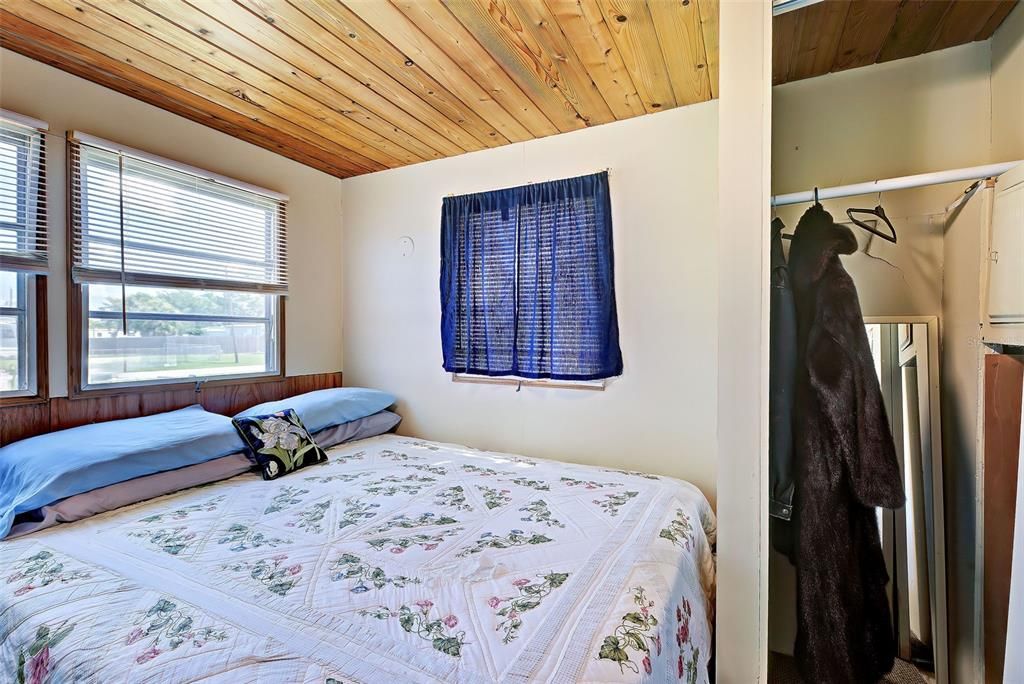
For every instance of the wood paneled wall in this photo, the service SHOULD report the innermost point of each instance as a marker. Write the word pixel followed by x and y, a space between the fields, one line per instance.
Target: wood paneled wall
pixel 1004 377
pixel 19 422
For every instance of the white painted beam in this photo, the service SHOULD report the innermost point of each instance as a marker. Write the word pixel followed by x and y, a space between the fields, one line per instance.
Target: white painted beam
pixel 744 170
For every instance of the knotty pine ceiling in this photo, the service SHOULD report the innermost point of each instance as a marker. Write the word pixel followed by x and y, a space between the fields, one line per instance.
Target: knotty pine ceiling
pixel 354 86
pixel 840 34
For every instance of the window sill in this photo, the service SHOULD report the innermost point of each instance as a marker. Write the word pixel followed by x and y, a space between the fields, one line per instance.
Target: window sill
pixel 172 385
pixel 14 399
pixel 590 385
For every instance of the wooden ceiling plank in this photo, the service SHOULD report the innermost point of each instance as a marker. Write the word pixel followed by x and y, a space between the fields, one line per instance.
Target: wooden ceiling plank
pixel 677 23
pixel 46 46
pixel 709 10
pixel 499 104
pixel 784 46
pixel 110 26
pixel 575 83
pixel 913 29
pixel 585 28
pixel 996 20
pixel 236 29
pixel 633 31
pixel 444 29
pixel 72 28
pixel 420 118
pixel 964 21
pixel 235 53
pixel 867 27
pixel 819 28
pixel 496 26
pixel 197 48
pixel 351 30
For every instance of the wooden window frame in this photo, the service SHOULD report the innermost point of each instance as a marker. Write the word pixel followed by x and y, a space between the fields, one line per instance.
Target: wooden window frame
pixel 42 393
pixel 39 299
pixel 76 351
pixel 76 335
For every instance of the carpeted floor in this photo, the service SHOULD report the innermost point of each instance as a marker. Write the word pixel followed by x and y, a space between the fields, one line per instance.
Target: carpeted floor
pixel 782 670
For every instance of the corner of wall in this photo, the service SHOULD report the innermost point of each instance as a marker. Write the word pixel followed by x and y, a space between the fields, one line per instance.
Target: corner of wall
pixel 1007 83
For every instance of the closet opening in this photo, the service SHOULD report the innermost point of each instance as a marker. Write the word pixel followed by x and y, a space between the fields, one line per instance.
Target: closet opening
pixel 897 348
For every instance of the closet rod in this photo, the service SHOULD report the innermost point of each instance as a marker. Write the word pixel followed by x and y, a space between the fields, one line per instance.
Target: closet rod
pixel 902 183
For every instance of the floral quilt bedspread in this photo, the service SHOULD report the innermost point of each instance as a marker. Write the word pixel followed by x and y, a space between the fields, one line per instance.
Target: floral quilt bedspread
pixel 398 560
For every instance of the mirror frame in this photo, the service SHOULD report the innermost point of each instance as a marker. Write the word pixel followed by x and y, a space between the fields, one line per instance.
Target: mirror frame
pixel 931 436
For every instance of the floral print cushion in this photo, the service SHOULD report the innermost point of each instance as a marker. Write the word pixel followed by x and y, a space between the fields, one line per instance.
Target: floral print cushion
pixel 279 442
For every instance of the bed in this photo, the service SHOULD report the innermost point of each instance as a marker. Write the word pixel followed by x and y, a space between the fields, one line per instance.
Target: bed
pixel 397 560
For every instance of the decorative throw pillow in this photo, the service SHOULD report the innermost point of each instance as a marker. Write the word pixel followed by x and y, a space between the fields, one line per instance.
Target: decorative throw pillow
pixel 279 442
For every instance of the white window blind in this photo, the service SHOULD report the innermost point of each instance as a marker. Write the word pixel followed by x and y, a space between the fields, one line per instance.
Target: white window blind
pixel 141 220
pixel 22 194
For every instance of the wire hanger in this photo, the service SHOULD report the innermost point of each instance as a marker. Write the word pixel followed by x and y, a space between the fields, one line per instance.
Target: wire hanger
pixel 778 221
pixel 877 212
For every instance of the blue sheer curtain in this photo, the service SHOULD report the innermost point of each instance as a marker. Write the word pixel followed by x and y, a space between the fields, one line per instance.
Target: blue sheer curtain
pixel 527 284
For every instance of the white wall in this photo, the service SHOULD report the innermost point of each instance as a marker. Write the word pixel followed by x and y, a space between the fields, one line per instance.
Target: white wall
pixel 660 415
pixel 66 102
pixel 744 172
pixel 926 113
pixel 1008 88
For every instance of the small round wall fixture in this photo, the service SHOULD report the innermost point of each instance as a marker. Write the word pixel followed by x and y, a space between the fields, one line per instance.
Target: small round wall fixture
pixel 406 245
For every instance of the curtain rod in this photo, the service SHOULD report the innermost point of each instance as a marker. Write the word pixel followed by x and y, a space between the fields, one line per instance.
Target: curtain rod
pixel 902 183
pixel 606 169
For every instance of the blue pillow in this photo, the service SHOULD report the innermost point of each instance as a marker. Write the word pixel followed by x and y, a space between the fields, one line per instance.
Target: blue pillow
pixel 41 470
pixel 328 407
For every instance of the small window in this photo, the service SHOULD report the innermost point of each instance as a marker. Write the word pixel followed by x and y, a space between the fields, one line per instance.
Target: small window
pixel 23 255
pixel 178 275
pixel 527 282
pixel 17 335
pixel 176 334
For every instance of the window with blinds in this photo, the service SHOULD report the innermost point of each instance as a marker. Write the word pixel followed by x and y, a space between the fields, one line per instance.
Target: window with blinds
pixel 527 282
pixel 180 271
pixel 22 196
pixel 142 222
pixel 23 250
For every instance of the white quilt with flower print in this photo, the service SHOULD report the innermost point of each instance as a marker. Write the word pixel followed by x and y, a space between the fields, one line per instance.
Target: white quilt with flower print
pixel 396 561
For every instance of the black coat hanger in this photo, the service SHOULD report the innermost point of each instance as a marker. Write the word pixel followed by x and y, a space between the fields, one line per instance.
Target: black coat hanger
pixel 877 212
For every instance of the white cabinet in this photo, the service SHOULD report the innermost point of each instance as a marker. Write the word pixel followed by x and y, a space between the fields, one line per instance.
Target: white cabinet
pixel 1004 300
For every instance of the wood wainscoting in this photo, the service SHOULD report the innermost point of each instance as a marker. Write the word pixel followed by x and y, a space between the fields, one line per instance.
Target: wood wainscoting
pixel 1004 380
pixel 19 422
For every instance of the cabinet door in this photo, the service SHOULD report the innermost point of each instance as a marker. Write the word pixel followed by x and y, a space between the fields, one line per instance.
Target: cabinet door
pixel 1006 250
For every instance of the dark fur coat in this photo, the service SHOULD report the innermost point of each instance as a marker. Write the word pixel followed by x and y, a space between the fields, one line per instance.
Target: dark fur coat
pixel 845 466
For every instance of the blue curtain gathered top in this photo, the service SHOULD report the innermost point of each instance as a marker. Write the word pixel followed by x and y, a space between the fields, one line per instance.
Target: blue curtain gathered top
pixel 527 285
